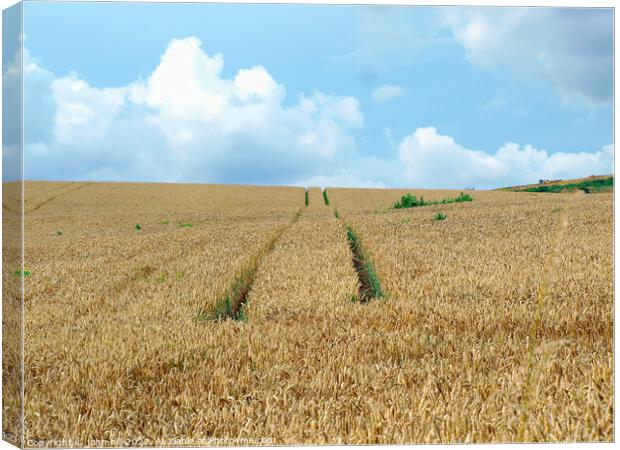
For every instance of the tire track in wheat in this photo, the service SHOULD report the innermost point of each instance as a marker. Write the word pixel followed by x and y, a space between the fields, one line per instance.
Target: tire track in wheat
pixel 68 191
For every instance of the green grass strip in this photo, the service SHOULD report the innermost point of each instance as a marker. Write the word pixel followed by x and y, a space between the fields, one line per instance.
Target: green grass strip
pixel 233 304
pixel 588 186
pixel 411 201
pixel 325 197
pixel 370 285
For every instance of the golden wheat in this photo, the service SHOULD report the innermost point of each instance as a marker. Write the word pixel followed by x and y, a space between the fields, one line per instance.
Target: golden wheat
pixel 116 352
pixel 472 282
pixel 11 312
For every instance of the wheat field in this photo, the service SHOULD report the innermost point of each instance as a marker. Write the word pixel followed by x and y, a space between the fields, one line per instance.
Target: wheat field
pixel 494 325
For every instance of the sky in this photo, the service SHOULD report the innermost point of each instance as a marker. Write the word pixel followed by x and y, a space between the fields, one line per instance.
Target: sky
pixel 362 96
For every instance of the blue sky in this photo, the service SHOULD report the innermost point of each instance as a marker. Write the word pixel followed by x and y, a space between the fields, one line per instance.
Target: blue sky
pixel 309 94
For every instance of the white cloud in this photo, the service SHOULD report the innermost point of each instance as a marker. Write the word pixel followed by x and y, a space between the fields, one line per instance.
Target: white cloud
pixel 188 85
pixel 572 48
pixel 188 122
pixel 84 113
pixel 387 92
pixel 196 108
pixel 430 159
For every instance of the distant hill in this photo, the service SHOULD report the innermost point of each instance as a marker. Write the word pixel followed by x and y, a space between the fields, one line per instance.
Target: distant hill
pixel 593 184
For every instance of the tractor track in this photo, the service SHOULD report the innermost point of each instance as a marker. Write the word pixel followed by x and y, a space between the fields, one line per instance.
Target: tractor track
pixel 233 302
pixel 68 191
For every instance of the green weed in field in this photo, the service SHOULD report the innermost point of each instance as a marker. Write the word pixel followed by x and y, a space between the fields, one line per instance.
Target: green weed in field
pixel 411 201
pixel 25 273
pixel 462 198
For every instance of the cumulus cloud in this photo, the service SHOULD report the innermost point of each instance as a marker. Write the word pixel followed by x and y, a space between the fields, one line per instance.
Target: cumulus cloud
pixel 84 113
pixel 186 122
pixel 430 159
pixel 571 48
pixel 387 92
